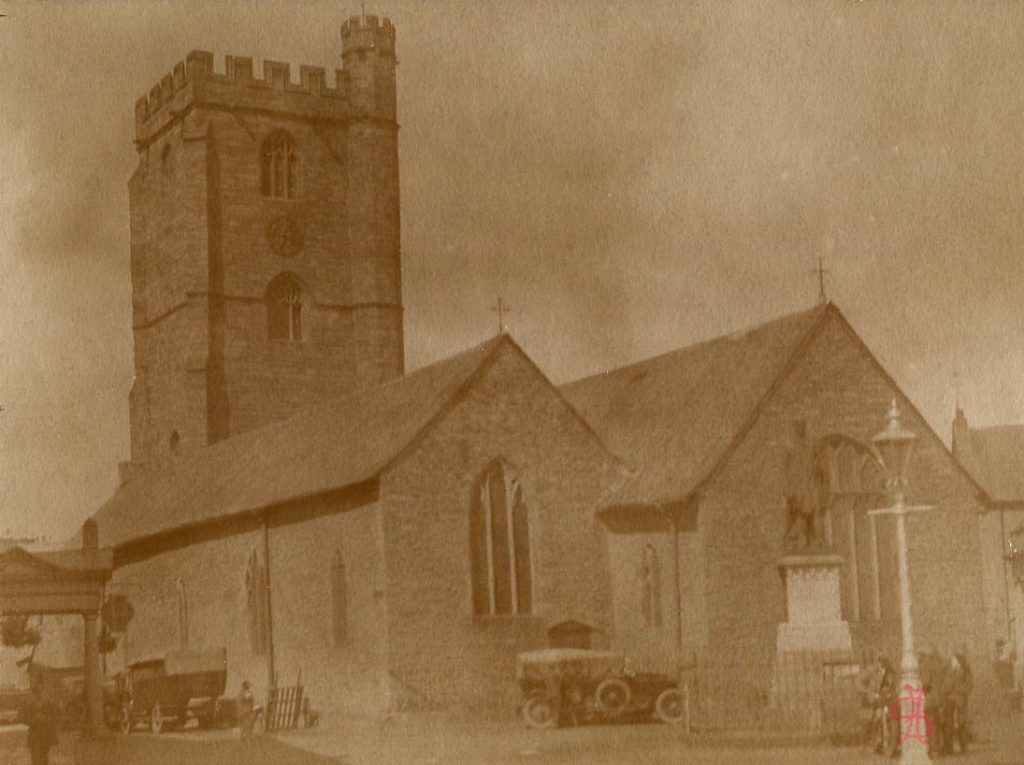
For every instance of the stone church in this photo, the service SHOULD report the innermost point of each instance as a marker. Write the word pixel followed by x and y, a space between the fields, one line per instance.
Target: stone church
pixel 295 496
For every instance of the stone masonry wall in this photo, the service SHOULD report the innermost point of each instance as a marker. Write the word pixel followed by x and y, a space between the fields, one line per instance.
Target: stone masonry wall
pixel 440 654
pixel 204 235
pixel 838 389
pixel 338 678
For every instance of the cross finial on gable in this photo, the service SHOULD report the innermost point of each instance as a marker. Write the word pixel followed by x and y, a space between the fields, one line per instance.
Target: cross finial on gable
pixel 501 309
pixel 820 272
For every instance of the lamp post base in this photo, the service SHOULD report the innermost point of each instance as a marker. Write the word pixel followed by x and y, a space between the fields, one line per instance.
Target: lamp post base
pixel 915 727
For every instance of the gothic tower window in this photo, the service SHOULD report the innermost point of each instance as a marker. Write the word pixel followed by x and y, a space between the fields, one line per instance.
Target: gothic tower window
pixel 500 544
pixel 284 309
pixel 277 166
pixel 339 599
pixel 650 586
pixel 179 586
pixel 256 604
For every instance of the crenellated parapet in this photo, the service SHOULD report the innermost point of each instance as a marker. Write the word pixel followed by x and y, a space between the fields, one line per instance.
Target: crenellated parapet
pixel 367 33
pixel 194 82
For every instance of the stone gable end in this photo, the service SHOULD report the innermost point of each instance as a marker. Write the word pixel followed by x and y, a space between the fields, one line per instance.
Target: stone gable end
pixel 440 654
pixel 837 387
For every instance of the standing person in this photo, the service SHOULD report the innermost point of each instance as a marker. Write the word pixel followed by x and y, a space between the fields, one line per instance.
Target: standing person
pixel 246 709
pixel 960 683
pixel 877 686
pixel 40 716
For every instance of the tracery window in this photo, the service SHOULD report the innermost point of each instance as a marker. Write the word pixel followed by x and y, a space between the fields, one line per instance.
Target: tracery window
pixel 855 485
pixel 277 166
pixel 284 309
pixel 339 599
pixel 500 544
pixel 256 604
pixel 650 586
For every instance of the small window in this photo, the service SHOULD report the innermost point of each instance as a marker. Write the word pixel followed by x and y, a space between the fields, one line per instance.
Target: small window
pixel 174 442
pixel 166 168
pixel 182 614
pixel 284 309
pixel 339 599
pixel 166 160
pixel 650 586
pixel 277 166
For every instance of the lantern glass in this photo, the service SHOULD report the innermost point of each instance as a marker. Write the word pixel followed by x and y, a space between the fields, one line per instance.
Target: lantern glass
pixel 896 446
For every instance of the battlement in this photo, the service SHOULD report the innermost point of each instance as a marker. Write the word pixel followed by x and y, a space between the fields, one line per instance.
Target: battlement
pixel 367 33
pixel 194 79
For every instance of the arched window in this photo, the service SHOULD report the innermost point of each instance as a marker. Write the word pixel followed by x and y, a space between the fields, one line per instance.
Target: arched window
pixel 284 309
pixel 339 598
pixel 174 442
pixel 855 484
pixel 256 603
pixel 650 586
pixel 277 166
pixel 500 544
pixel 179 586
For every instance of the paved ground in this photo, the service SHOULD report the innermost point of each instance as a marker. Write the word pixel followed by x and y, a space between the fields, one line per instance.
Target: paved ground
pixel 425 741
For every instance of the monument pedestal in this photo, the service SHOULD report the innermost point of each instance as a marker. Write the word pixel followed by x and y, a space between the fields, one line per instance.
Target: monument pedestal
pixel 813 635
pixel 814 620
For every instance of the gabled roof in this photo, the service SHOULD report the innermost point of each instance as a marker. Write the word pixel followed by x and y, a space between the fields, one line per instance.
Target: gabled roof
pixel 995 457
pixel 675 416
pixel 329 446
pixel 16 562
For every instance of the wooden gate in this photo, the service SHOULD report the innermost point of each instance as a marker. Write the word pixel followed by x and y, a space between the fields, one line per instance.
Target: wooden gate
pixel 284 707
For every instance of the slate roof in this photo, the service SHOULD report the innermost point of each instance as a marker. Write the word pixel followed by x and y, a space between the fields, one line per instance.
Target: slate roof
pixel 995 457
pixel 675 416
pixel 329 446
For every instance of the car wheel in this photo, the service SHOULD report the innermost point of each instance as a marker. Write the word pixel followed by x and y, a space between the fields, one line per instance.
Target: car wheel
pixel 670 707
pixel 539 712
pixel 157 723
pixel 612 694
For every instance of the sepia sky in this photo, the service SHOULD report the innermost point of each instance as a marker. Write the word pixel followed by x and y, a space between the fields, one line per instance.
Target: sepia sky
pixel 629 177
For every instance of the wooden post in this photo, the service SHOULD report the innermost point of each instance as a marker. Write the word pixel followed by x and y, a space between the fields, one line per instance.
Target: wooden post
pixel 271 674
pixel 93 675
pixel 91 648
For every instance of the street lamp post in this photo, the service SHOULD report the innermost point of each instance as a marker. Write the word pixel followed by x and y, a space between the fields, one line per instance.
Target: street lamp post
pixel 896 446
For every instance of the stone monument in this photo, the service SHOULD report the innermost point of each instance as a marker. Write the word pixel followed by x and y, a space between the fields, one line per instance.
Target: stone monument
pixel 814 621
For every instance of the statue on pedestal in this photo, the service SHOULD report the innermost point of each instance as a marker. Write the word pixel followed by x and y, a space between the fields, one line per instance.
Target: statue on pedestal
pixel 805 487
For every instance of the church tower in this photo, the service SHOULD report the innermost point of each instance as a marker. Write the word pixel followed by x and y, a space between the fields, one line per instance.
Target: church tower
pixel 265 256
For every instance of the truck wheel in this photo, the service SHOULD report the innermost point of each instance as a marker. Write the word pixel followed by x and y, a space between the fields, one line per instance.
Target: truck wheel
pixel 157 722
pixel 612 694
pixel 670 707
pixel 539 712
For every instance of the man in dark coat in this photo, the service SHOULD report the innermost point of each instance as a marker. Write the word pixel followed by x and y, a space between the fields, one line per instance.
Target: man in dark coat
pixel 935 682
pixel 959 682
pixel 40 716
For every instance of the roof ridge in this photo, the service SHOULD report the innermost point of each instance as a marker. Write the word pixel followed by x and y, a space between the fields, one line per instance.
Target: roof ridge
pixel 341 402
pixel 1008 426
pixel 734 335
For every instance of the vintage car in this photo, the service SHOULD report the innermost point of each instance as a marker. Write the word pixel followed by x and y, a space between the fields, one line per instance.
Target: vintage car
pixel 165 693
pixel 585 685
